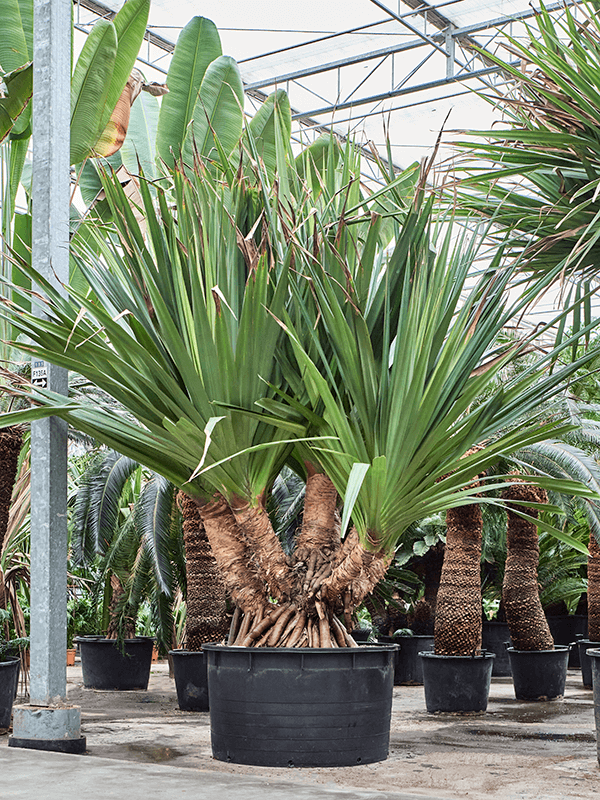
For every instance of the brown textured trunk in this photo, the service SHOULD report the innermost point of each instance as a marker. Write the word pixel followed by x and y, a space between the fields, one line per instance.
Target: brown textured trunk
pixel 234 557
pixel 11 441
pixel 593 572
pixel 458 605
pixel 520 593
pixel 279 605
pixel 320 523
pixel 206 608
pixel 266 547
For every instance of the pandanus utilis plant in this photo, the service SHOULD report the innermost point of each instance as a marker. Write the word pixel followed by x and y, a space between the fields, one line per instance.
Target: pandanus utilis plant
pixel 317 326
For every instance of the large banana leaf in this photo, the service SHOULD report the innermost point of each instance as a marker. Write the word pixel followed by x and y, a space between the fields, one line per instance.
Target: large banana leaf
pixel 90 87
pixel 139 147
pixel 130 26
pixel 100 75
pixel 14 51
pixel 271 129
pixel 18 90
pixel 197 46
pixel 218 114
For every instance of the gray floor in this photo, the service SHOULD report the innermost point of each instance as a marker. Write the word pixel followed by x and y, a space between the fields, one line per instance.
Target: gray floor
pixel 28 775
pixel 141 743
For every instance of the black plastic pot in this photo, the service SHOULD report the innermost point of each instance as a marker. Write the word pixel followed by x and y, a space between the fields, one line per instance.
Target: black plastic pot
pixel 595 659
pixel 109 664
pixel 457 683
pixel 191 683
pixel 300 707
pixel 586 662
pixel 494 636
pixel 361 634
pixel 565 629
pixel 408 667
pixel 539 674
pixel 9 681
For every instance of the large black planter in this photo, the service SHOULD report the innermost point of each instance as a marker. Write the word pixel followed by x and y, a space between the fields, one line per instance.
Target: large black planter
pixel 595 659
pixel 585 660
pixel 565 629
pixel 300 707
pixel 494 636
pixel 457 683
pixel 9 681
pixel 408 666
pixel 109 664
pixel 539 674
pixel 191 683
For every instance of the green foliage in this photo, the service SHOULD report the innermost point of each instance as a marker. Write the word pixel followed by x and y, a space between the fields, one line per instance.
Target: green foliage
pixel 17 88
pixel 198 45
pixel 126 524
pixel 82 617
pixel 10 647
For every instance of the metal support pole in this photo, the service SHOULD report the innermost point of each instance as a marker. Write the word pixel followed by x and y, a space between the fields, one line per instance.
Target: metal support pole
pixel 47 723
pixel 450 51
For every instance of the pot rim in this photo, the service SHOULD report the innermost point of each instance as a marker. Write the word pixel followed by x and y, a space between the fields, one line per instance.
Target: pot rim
pixel 370 648
pixel 180 651
pixel 557 648
pixel 93 639
pixel 482 655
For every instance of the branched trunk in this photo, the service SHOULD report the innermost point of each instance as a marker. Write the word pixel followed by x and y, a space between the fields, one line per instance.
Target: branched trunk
pixel 206 617
pixel 234 557
pixel 458 605
pixel 593 573
pixel 279 605
pixel 520 594
pixel 262 539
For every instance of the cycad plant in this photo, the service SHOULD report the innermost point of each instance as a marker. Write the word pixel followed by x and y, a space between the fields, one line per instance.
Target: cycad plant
pixel 126 530
pixel 263 323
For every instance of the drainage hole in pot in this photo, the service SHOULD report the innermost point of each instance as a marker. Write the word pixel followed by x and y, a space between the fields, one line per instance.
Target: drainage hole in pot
pixel 290 763
pixel 358 760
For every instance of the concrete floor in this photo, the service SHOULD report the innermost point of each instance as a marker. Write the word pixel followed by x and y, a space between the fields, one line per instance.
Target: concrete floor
pixel 140 742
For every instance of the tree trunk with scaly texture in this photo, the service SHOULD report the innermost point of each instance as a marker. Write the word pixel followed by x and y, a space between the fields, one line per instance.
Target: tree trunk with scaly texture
pixel 593 573
pixel 458 606
pixel 296 600
pixel 206 607
pixel 11 441
pixel 520 593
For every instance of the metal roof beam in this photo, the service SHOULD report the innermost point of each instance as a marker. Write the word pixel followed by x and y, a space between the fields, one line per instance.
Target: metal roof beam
pixel 454 33
pixel 377 98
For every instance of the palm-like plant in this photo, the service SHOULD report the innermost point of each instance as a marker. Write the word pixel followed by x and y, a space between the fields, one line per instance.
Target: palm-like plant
pixel 257 326
pixel 537 174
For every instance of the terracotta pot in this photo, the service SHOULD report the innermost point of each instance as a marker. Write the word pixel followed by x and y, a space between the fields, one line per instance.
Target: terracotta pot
pixel 71 656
